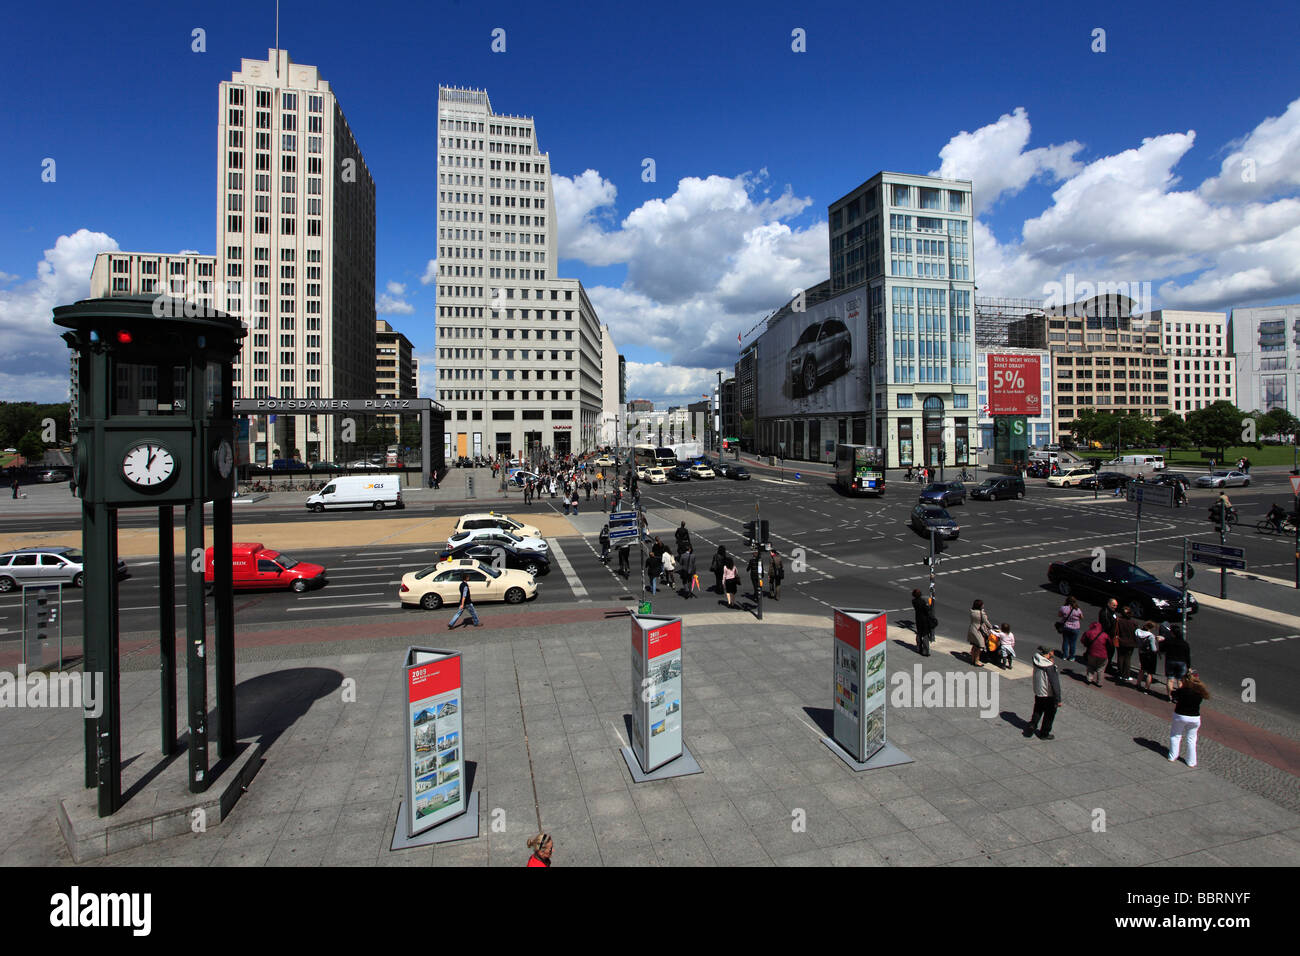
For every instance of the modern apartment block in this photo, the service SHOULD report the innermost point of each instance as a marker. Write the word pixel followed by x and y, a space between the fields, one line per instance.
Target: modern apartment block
pixel 184 275
pixel 295 250
pixel 1202 370
pixel 396 372
pixel 519 349
pixel 611 368
pixel 1266 344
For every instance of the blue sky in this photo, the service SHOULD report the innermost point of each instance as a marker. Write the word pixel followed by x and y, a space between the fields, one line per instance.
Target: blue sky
pixel 1104 165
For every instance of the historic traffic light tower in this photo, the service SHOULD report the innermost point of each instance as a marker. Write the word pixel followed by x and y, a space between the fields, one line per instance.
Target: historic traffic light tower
pixel 155 431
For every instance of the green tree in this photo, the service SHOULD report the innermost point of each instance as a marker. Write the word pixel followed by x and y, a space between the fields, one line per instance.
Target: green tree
pixel 1280 423
pixel 1216 426
pixel 1084 425
pixel 1171 431
pixel 31 447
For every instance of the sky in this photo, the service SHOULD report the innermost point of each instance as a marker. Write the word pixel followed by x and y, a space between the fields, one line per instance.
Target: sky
pixel 1107 142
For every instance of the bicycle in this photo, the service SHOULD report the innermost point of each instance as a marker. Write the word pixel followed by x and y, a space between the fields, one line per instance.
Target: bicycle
pixel 1265 526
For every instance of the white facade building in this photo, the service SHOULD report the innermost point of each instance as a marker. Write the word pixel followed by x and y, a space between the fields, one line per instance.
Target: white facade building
pixel 519 349
pixel 1201 369
pixel 611 410
pixel 1265 341
pixel 295 250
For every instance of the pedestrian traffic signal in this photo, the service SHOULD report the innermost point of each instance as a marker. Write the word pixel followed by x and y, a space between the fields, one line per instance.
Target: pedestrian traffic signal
pixel 756 533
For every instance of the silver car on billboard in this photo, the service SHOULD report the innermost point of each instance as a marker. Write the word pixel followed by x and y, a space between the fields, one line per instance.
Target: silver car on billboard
pixel 822 353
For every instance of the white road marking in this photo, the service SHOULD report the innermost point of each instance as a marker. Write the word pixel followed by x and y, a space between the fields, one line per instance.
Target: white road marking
pixel 570 575
pixel 317 607
pixel 1012 576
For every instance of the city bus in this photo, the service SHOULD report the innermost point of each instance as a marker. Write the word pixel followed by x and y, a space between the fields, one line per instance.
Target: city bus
pixel 860 469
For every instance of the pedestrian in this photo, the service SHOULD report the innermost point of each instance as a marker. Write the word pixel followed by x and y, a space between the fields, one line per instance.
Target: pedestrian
pixel 565 499
pixel 978 632
pixel 683 538
pixel 686 565
pixel 1186 723
pixel 776 575
pixel 542 846
pixel 1148 646
pixel 1069 618
pixel 1096 648
pixel 604 544
pixel 624 559
pixel 717 565
pixel 1006 646
pixel 670 566
pixel 574 501
pixel 653 567
pixel 926 621
pixel 729 580
pixel 1125 644
pixel 755 579
pixel 14 486
pixel 465 603
pixel 587 485
pixel 437 479
pixel 1047 694
pixel 1108 616
pixel 1178 657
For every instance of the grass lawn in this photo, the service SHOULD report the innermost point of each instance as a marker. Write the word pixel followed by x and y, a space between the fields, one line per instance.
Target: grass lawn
pixel 1191 457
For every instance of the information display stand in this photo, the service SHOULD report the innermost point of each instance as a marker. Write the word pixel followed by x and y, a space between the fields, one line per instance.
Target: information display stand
pixel 436 808
pixel 859 691
pixel 657 750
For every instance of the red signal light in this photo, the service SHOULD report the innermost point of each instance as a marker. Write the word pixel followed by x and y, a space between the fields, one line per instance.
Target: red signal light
pixel 123 337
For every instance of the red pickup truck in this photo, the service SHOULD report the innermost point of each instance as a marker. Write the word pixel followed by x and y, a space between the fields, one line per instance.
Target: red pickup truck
pixel 259 568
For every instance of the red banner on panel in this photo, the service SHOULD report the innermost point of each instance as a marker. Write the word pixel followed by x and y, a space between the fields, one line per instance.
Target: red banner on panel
pixel 875 633
pixel 664 640
pixel 1015 385
pixel 434 678
pixel 846 629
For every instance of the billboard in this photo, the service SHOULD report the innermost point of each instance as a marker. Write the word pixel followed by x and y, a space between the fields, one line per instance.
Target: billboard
pixel 435 761
pixel 1015 384
pixel 815 361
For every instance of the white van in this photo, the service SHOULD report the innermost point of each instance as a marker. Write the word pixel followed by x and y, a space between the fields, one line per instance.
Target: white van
pixel 359 491
pixel 1045 456
pixel 1154 462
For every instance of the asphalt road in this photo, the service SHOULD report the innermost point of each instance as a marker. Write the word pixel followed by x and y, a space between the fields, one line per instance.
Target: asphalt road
pixel 838 551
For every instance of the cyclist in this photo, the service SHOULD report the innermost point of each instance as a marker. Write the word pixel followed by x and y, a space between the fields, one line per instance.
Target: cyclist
pixel 1276 515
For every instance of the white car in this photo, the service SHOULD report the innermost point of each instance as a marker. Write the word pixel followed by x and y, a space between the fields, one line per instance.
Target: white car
pixel 497 536
pixel 439 584
pixel 702 471
pixel 363 464
pixel 1068 477
pixel 656 476
pixel 604 461
pixel 492 519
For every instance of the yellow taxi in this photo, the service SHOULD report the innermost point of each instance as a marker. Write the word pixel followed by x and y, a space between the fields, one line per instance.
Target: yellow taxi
pixel 439 584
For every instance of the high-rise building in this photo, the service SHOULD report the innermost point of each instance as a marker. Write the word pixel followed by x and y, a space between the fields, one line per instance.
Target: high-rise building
pixel 295 249
pixel 1266 344
pixel 519 349
pixel 610 369
pixel 396 373
pixel 746 396
pixel 1202 370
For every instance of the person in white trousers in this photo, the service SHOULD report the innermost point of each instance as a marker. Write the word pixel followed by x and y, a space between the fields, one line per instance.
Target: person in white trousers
pixel 1187 717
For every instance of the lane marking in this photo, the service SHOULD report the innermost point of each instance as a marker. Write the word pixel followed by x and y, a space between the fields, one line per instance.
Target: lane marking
pixel 570 575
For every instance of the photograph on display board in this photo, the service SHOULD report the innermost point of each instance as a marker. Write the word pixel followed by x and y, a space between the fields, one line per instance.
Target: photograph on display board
pixel 448 709
pixel 674 707
pixel 875 687
pixel 448 756
pixel 441 798
pixel 874 663
pixel 449 739
pixel 657 729
pixel 424 737
pixel 426 782
pixel 451 773
pixel 657 700
pixel 425 764
pixel 875 731
pixel 423 716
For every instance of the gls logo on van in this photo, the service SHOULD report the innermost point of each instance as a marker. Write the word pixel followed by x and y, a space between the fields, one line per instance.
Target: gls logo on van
pixel 75 909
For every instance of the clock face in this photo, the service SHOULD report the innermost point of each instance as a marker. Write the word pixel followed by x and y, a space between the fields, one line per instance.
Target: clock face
pixel 224 458
pixel 148 465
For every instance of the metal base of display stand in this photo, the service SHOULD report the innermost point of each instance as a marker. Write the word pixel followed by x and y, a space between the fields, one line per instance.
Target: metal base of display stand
pixel 463 827
pixel 886 756
pixel 682 766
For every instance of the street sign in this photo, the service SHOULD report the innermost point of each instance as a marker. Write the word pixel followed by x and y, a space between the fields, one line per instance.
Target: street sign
pixel 1181 569
pixel 622 516
pixel 1219 555
pixel 1295 485
pixel 1161 496
pixel 618 534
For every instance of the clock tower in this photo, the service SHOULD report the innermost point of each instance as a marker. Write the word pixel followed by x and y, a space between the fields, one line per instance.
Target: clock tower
pixel 155 430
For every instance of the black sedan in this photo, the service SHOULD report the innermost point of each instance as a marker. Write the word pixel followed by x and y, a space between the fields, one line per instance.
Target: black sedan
pixel 500 555
pixel 1149 597
pixel 927 518
pixel 1177 479
pixel 1105 479
pixel 944 493
pixel 679 473
pixel 738 472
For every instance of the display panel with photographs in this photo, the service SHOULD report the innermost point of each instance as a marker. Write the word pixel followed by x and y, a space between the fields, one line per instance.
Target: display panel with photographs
pixel 858 682
pixel 435 762
pixel 657 689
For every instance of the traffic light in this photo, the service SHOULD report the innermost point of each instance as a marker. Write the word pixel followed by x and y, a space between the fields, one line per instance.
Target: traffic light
pixel 756 532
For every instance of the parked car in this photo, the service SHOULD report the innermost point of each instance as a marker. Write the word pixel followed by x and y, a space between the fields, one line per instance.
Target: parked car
pixel 927 517
pixel 259 568
pixel 943 493
pixel 1129 584
pixel 497 536
pixel 1068 476
pixel 738 472
pixel 1105 479
pixel 824 351
pixel 53 474
pixel 499 555
pixel 493 519
pixel 995 489
pixel 439 584
pixel 679 473
pixel 46 566
pixel 363 464
pixel 703 472
pixel 1223 479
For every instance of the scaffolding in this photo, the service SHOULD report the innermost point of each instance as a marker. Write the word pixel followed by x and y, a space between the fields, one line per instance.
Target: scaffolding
pixel 1010 323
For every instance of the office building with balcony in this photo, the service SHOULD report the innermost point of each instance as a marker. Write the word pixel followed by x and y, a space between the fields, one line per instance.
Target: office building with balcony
pixel 1265 341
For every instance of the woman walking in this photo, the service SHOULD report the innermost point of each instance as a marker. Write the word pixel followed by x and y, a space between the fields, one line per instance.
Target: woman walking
pixel 926 621
pixel 1178 657
pixel 1068 621
pixel 670 565
pixel 1148 639
pixel 1097 645
pixel 730 582
pixel 1187 717
pixel 978 632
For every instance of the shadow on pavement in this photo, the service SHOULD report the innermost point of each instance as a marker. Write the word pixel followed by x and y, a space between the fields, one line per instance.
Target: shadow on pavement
pixel 823 718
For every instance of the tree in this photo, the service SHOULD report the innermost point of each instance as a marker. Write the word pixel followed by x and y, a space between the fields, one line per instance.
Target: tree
pixel 1280 423
pixel 1084 425
pixel 31 447
pixel 1171 431
pixel 1217 426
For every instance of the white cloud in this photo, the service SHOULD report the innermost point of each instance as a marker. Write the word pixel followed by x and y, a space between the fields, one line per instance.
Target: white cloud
pixel 426 378
pixel 396 288
pixel 667 385
pixel 393 305
pixel 994 158
pixel 7 276
pixel 34 362
pixel 1263 163
pixel 430 272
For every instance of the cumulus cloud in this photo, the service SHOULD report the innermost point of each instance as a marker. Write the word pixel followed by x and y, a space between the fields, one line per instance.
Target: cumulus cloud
pixel 430 272
pixel 1261 164
pixel 392 303
pixel 426 377
pixel 7 276
pixel 34 361
pixel 395 288
pixel 666 384
pixel 994 158
pixel 703 264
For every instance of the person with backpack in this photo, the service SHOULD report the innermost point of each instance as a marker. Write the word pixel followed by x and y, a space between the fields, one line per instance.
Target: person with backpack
pixel 669 566
pixel 926 621
pixel 1047 694
pixel 604 544
pixel 1186 722
pixel 683 538
pixel 1069 618
pixel 776 575
pixel 717 566
pixel 1148 648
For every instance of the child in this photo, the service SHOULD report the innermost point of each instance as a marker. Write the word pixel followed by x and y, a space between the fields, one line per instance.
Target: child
pixel 1006 645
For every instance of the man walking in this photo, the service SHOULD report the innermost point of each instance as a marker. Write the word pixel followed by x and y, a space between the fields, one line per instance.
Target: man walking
pixel 776 575
pixel 604 545
pixel 1047 694
pixel 1125 640
pixel 686 564
pixel 926 621
pixel 465 603
pixel 683 538
pixel 624 560
pixel 716 565
pixel 1108 616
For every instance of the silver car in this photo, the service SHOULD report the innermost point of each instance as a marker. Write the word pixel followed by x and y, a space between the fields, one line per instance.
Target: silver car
pixel 1223 479
pixel 45 566
pixel 824 351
